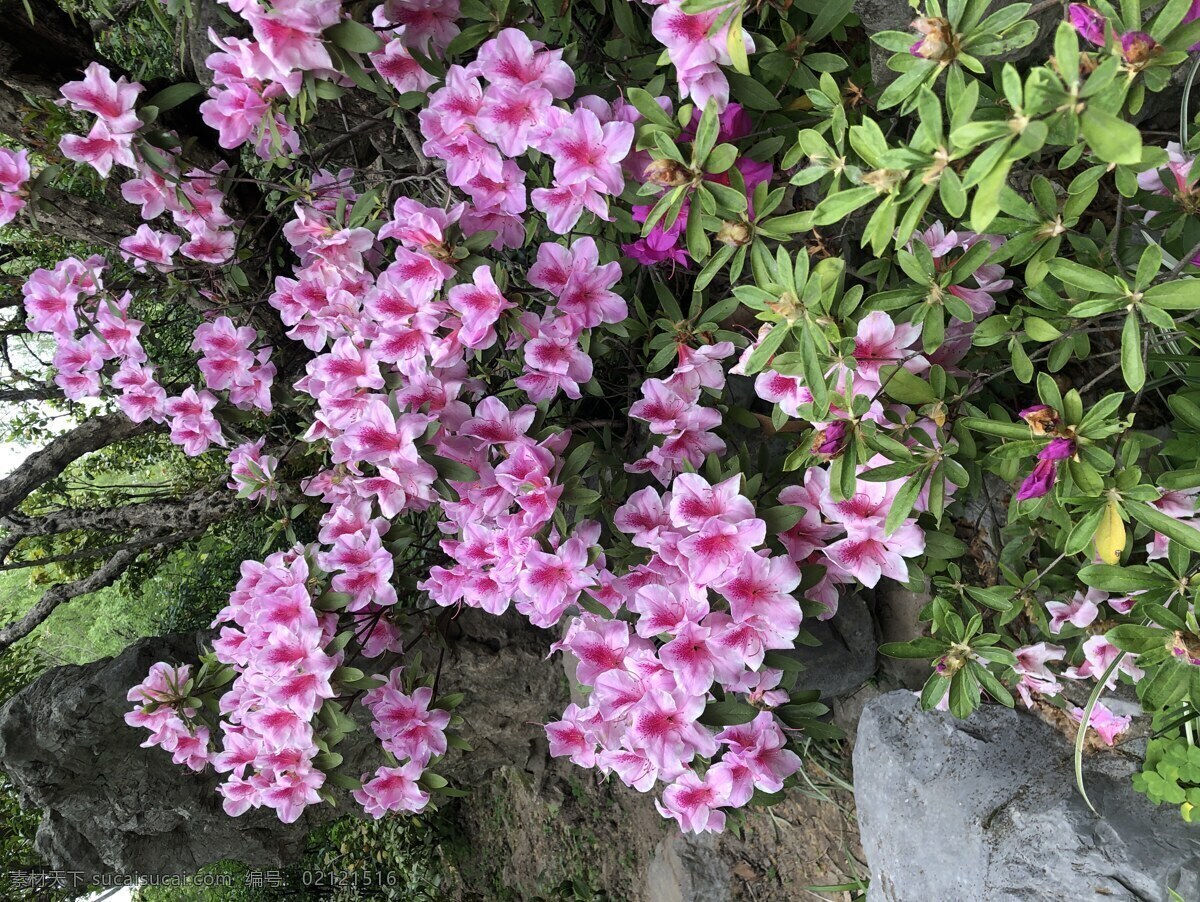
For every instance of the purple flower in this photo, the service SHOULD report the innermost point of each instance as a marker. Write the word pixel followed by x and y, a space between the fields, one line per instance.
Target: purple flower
pixel 1088 22
pixel 1139 48
pixel 1041 480
pixel 1059 449
pixel 832 440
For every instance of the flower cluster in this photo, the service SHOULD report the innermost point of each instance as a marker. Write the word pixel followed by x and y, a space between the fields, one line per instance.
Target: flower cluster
pixel 275 645
pixel 671 407
pixel 697 49
pixel 90 328
pixel 14 174
pixel 229 363
pixel 703 610
pixel 163 709
pixel 479 130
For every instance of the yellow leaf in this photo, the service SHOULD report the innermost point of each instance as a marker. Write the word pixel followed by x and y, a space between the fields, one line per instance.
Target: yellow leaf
pixel 1110 537
pixel 737 48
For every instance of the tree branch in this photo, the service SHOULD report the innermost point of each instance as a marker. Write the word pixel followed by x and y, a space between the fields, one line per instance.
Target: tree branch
pixel 104 576
pixel 41 467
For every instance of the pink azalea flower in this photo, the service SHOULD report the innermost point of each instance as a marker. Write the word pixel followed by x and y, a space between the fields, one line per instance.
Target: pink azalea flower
pixel 290 32
pixel 564 204
pixel 570 738
pixel 512 59
pixel 586 152
pixel 101 149
pixel 290 793
pixel 397 65
pixel 879 342
pixel 479 305
pixel 112 101
pixel 14 173
pixel 1080 612
pixel 149 246
pixel 1035 676
pixel 694 803
pixel 868 553
pixel 1098 655
pixel 1107 724
pixel 393 789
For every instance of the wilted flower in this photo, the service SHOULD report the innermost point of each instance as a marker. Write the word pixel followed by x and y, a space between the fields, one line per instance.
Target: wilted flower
pixel 1041 418
pixel 939 43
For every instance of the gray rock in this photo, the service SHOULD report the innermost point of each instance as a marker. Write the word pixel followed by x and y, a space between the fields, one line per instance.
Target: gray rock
pixel 110 806
pixel 898 15
pixel 687 868
pixel 846 657
pixel 987 810
pixel 898 611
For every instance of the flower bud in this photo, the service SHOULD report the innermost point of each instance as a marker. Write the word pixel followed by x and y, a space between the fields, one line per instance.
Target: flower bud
pixel 735 234
pixel 1139 48
pixel 832 440
pixel 668 173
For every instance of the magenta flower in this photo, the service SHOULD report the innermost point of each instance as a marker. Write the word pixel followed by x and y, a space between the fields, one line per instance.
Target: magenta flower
pixel 832 440
pixel 1088 22
pixel 1045 471
pixel 662 244
pixel 1139 48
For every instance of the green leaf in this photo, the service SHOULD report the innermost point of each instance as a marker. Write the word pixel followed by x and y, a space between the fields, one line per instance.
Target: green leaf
pixel 727 713
pixel 781 518
pixel 1176 530
pixel 904 501
pixel 1124 580
pixel 922 648
pixel 903 386
pixel 841 204
pixel 1111 138
pixel 169 98
pixel 767 348
pixel 354 36
pixel 1133 366
pixel 452 469
pixel 1181 294
pixel 1083 277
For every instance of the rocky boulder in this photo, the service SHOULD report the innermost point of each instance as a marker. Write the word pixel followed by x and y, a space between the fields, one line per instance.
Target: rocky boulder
pixel 987 810
pixel 110 806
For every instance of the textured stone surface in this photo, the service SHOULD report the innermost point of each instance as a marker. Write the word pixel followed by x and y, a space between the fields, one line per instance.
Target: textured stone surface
pixel 687 868
pixel 846 657
pixel 987 810
pixel 111 806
